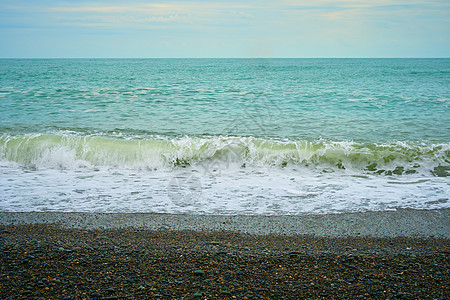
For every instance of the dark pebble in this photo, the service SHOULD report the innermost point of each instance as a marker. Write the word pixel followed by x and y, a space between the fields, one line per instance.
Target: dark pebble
pixel 96 295
pixel 181 264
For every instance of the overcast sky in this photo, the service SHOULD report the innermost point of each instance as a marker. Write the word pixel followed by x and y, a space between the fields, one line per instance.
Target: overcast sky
pixel 255 28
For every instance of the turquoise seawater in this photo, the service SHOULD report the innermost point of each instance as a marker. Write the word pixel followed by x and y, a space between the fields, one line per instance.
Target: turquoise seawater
pixel 224 136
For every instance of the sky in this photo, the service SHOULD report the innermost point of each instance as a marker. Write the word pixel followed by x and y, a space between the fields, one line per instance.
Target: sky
pixel 254 28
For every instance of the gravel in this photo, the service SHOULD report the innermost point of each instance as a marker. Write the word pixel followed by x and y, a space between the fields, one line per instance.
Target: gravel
pixel 404 222
pixel 400 254
pixel 41 261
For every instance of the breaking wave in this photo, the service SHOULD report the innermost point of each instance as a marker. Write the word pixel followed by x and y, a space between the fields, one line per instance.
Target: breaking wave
pixel 71 151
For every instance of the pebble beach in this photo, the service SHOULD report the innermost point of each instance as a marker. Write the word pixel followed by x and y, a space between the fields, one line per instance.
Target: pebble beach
pixel 152 256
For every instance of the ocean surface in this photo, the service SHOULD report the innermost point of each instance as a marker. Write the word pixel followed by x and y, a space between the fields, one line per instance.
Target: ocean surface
pixel 224 136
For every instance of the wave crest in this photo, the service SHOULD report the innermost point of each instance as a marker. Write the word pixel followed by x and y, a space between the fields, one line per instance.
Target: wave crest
pixel 69 151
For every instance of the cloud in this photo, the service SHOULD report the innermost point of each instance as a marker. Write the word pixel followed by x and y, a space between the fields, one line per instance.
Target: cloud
pixel 138 8
pixel 343 9
pixel 360 3
pixel 228 27
pixel 185 13
pixel 195 8
pixel 351 10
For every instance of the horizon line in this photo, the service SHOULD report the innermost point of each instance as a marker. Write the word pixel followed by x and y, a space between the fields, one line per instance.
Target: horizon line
pixel 378 57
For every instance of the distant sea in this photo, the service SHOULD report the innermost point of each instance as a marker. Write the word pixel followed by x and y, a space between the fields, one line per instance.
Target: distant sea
pixel 224 136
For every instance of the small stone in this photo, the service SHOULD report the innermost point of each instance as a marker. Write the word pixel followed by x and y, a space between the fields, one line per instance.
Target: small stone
pixel 5 231
pixel 199 272
pixel 96 295
pixel 198 295
pixel 129 280
pixel 157 296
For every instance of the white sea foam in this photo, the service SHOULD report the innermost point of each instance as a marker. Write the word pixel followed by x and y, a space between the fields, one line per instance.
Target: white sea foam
pixel 235 190
pixel 218 175
pixel 73 151
pixel 224 136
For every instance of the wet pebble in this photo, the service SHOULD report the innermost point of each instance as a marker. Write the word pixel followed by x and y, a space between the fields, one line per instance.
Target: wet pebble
pixel 199 272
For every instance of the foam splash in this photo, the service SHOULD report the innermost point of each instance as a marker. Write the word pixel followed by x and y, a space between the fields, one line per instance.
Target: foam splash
pixel 73 151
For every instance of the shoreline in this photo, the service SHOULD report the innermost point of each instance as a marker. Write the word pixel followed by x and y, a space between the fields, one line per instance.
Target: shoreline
pixel 374 255
pixel 42 261
pixel 399 223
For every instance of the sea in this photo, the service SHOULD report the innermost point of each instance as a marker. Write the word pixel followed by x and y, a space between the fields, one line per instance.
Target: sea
pixel 224 136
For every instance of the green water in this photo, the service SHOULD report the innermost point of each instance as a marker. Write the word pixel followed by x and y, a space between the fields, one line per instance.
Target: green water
pixel 336 99
pixel 270 136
